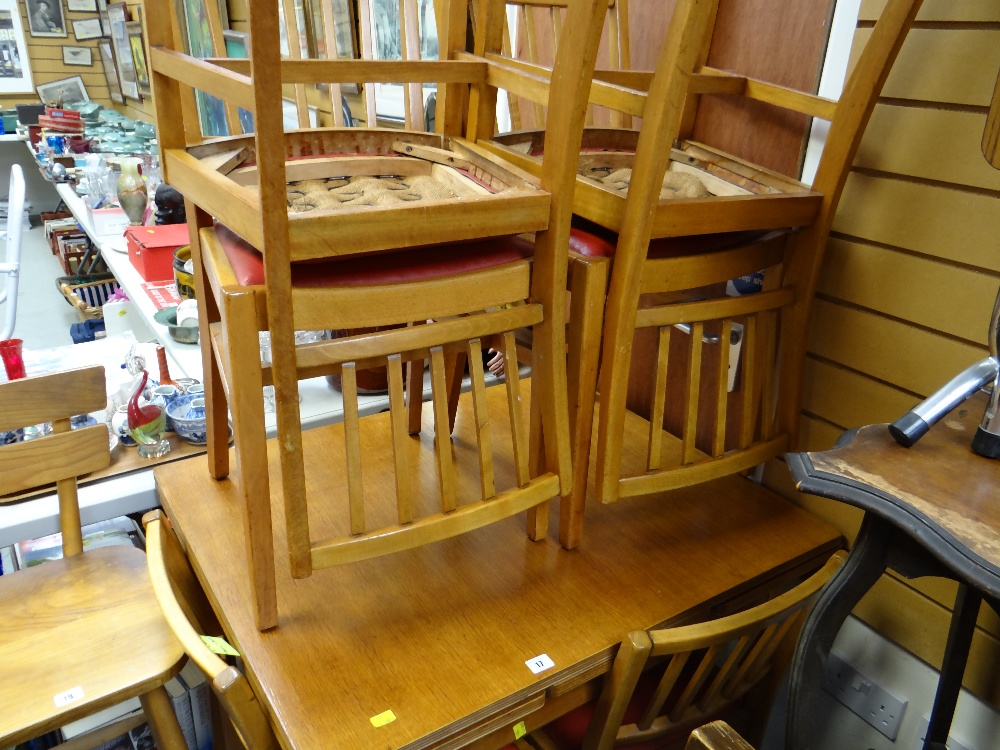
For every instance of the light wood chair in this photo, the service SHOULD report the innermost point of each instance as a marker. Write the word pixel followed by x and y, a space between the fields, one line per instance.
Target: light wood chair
pixel 458 262
pixel 81 633
pixel 728 370
pixel 717 735
pixel 190 616
pixel 664 682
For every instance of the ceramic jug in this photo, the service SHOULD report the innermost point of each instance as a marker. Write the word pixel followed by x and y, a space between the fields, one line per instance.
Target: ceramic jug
pixel 131 190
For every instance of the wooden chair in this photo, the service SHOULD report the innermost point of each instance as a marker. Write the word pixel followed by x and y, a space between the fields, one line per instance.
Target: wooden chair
pixel 81 633
pixel 727 381
pixel 457 262
pixel 190 616
pixel 717 735
pixel 664 682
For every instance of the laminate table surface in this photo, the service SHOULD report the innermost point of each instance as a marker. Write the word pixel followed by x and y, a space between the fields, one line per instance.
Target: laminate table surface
pixel 929 510
pixel 441 635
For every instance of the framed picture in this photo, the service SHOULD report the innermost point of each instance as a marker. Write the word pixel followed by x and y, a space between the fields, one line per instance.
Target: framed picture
pixel 138 55
pixel 65 91
pixel 78 56
pixel 16 78
pixel 237 43
pixel 195 27
pixel 87 28
pixel 102 12
pixel 83 6
pixel 121 48
pixel 110 73
pixel 46 17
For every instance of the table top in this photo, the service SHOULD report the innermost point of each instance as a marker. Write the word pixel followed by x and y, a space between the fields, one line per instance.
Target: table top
pixel 441 635
pixel 939 491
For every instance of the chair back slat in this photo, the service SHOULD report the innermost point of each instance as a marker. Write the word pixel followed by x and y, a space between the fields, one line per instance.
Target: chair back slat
pixel 293 35
pixel 692 391
pixel 669 680
pixel 484 439
pixel 659 398
pixel 330 21
pixel 367 53
pixel 352 447
pixel 442 430
pixel 400 433
pixel 722 388
pixel 519 435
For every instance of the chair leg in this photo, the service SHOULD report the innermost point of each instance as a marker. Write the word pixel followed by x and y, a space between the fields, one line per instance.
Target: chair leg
pixel 588 290
pixel 162 719
pixel 246 386
pixel 216 405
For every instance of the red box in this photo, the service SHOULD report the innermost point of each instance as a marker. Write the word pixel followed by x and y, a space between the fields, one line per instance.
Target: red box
pixel 151 249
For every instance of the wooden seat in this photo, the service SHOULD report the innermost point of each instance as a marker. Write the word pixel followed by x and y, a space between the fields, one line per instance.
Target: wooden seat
pixel 190 617
pixel 243 183
pixel 727 382
pixel 82 633
pixel 664 682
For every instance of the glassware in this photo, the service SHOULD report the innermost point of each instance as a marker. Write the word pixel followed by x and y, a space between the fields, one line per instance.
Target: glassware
pixel 147 423
pixel 13 361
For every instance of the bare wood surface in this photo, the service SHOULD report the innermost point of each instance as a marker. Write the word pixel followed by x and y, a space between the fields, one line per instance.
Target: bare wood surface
pixel 408 631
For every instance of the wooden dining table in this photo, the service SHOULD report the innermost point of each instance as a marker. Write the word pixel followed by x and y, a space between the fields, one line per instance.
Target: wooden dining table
pixel 472 640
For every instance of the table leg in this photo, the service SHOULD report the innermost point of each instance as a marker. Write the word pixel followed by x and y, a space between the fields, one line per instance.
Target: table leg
pixel 865 564
pixel 963 624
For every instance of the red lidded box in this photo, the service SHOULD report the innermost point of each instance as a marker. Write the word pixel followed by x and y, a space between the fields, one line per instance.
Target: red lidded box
pixel 151 249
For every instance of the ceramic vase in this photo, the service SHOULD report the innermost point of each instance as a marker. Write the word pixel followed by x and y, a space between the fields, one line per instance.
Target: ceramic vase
pixel 131 190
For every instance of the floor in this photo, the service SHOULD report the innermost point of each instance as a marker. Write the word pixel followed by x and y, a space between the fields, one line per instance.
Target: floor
pixel 43 314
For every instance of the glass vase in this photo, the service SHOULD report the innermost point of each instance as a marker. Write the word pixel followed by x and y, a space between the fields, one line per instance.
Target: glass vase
pixel 131 190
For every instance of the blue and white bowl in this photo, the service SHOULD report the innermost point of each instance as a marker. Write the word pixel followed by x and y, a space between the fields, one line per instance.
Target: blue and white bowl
pixel 188 415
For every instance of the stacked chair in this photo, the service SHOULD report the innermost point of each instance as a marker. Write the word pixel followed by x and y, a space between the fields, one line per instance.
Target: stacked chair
pixel 457 266
pixel 727 382
pixel 82 633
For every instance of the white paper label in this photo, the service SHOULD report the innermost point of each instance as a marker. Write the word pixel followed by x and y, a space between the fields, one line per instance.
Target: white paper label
pixel 64 699
pixel 540 663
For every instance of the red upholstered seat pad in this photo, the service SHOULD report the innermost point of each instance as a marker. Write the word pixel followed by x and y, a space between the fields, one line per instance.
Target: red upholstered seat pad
pixel 397 267
pixel 595 241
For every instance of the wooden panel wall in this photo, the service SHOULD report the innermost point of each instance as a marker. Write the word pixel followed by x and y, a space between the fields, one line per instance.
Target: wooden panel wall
pixel 911 273
pixel 47 65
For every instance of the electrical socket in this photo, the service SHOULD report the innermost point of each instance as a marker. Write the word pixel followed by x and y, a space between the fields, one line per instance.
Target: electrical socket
pixel 918 743
pixel 870 701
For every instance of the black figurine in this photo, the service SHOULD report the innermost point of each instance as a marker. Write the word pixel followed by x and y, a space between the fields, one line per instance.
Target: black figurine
pixel 169 205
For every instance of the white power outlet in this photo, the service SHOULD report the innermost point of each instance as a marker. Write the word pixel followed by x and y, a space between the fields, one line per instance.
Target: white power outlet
pixel 871 702
pixel 918 743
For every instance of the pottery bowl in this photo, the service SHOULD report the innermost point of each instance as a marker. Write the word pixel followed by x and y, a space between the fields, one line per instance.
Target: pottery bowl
pixel 188 415
pixel 185 334
pixel 184 280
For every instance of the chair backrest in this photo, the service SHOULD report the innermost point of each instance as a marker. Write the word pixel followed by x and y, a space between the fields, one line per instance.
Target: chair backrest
pixel 189 616
pixel 697 670
pixel 531 34
pixel 11 265
pixel 63 455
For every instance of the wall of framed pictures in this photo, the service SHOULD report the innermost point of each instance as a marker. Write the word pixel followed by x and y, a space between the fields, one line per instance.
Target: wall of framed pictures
pixel 54 47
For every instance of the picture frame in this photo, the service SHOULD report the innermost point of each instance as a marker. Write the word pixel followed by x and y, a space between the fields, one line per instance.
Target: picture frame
pixel 46 18
pixel 82 6
pixel 102 12
pixel 198 42
pixel 237 43
pixel 135 40
pixel 87 28
pixel 78 56
pixel 14 59
pixel 72 89
pixel 110 73
pixel 121 48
